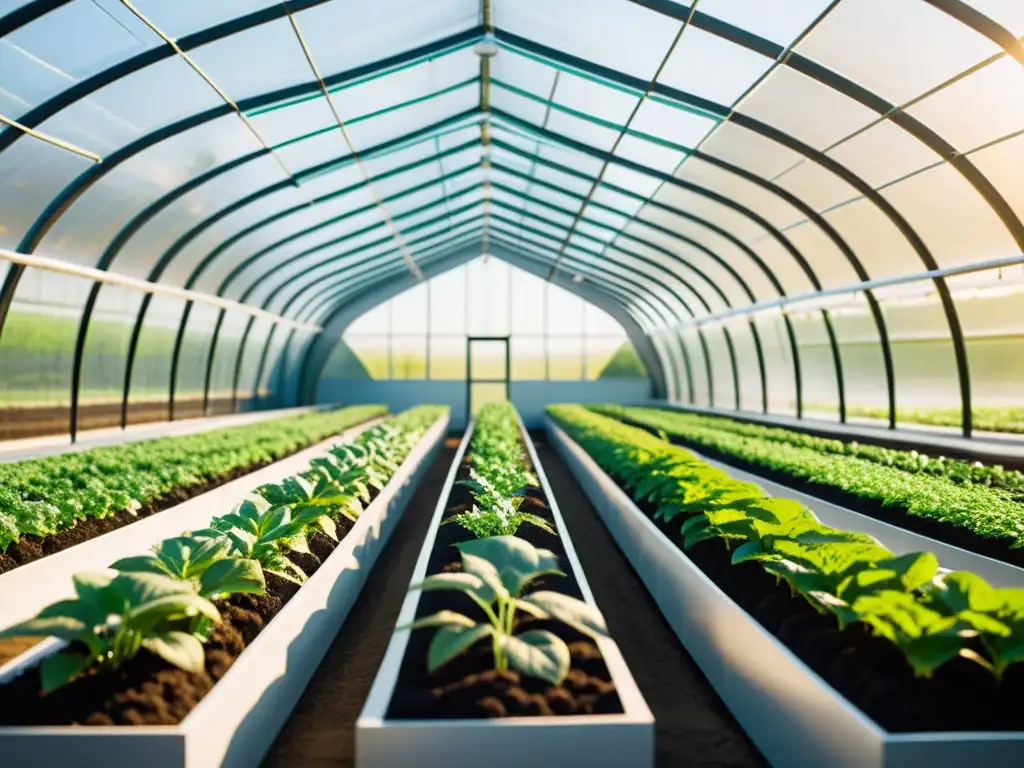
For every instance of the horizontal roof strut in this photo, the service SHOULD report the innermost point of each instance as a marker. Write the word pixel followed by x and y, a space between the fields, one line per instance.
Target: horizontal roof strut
pixel 59 143
pixel 868 285
pixel 160 289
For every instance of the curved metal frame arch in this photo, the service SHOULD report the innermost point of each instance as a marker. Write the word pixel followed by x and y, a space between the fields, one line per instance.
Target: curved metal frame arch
pixel 315 357
pixel 958 10
pixel 763 223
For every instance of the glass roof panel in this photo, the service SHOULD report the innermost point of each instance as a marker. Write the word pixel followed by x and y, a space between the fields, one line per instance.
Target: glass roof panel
pixel 678 126
pixel 187 16
pixel 589 97
pixel 749 150
pixel 976 109
pixel 240 65
pixel 952 218
pixel 896 48
pixel 764 19
pixel 346 35
pixel 707 66
pixel 1001 164
pixel 25 192
pixel 583 28
pixel 882 153
pixel 804 108
pixel 46 56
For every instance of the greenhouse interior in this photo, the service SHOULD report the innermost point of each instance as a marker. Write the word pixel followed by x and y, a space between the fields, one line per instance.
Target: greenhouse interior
pixel 605 383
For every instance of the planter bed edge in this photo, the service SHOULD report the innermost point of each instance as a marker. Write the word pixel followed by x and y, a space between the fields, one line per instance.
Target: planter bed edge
pixel 790 713
pixel 598 741
pixel 235 724
pixel 24 590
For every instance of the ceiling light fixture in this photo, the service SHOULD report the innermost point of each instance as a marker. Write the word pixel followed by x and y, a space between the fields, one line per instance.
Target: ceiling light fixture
pixel 487 47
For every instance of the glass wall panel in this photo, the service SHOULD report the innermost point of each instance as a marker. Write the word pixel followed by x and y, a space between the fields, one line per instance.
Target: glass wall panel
pixel 817 365
pixel 408 356
pixel 32 173
pixel 721 367
pixel 222 375
pixel 988 304
pixel 151 370
pixel 778 363
pixel 694 358
pixel 36 354
pixel 105 356
pixel 863 366
pixel 447 357
pixel 195 352
pixel 923 356
pixel 249 364
pixel 565 358
pixel 746 359
pixel 529 358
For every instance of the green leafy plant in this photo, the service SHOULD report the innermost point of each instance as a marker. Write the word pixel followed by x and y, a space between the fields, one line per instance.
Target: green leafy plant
pixel 42 497
pixel 499 476
pixel 112 618
pixel 203 563
pixel 987 501
pixel 495 574
pixel 931 617
pixel 266 534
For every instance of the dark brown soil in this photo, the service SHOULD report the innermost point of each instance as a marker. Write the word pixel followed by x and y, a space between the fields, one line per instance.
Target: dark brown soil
pixel 468 687
pixel 28 549
pixel 997 549
pixel 869 671
pixel 148 690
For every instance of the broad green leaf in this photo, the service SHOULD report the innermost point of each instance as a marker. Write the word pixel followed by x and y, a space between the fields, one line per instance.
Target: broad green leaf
pixel 232 576
pixel 154 613
pixel 141 564
pixel 960 591
pixel 577 614
pixel 64 627
pixel 179 648
pixel 451 640
pixel 58 670
pixel 538 653
pixel 463 582
pixel 492 586
pixel 440 619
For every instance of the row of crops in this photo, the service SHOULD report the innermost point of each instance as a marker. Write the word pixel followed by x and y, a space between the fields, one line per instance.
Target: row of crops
pixel 491 584
pixel 838 599
pixel 145 640
pixel 970 505
pixel 49 503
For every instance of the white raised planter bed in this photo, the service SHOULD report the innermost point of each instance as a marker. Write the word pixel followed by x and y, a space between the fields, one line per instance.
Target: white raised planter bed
pixel 596 741
pixel 793 716
pixel 25 590
pixel 239 719
pixel 899 540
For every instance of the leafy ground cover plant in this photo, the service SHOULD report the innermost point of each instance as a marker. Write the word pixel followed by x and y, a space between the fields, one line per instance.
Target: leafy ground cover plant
pixel 989 512
pixel 991 418
pixel 499 476
pixel 43 497
pixel 163 601
pixel 955 470
pixel 931 617
pixel 496 572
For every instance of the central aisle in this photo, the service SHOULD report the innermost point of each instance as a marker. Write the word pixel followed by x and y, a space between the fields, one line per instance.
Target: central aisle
pixel 321 730
pixel 693 726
